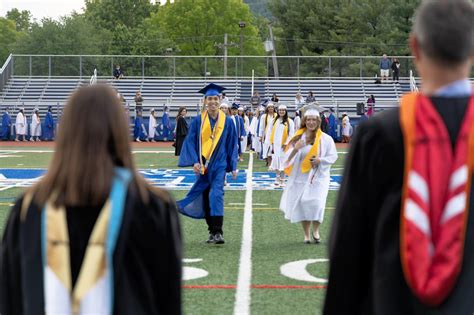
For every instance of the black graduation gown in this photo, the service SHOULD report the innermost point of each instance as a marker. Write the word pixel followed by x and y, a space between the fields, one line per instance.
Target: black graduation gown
pixel 181 132
pixel 147 258
pixel 365 274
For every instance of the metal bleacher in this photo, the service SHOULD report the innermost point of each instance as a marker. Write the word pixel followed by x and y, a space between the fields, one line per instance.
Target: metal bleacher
pixel 340 93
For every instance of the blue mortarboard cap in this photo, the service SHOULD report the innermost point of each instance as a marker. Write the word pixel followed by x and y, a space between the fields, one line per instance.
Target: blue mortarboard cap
pixel 235 106
pixel 212 90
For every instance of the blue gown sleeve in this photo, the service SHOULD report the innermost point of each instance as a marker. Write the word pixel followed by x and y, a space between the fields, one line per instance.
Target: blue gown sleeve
pixel 232 147
pixel 190 150
pixel 242 127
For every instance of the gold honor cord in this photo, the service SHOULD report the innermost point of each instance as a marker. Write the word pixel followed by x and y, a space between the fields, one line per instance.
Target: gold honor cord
pixel 214 137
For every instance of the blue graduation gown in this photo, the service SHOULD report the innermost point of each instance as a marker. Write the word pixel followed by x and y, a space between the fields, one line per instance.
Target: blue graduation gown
pixel 224 159
pixel 138 129
pixel 48 133
pixel 239 126
pixel 165 120
pixel 6 125
pixel 332 127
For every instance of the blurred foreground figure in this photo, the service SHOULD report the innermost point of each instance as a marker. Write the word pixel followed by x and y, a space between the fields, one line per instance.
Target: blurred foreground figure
pixel 403 234
pixel 92 237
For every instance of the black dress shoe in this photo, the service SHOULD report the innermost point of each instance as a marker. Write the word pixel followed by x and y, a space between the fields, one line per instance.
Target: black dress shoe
pixel 316 240
pixel 219 239
pixel 211 239
pixel 307 242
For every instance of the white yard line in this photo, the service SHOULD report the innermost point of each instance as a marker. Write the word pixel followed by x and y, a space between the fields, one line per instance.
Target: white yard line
pixel 27 182
pixel 242 294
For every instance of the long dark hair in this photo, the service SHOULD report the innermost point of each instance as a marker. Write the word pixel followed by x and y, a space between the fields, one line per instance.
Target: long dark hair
pixel 82 167
pixel 285 118
pixel 180 111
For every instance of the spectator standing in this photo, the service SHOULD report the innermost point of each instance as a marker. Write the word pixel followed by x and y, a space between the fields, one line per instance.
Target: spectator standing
pixel 255 100
pixel 396 70
pixel 384 66
pixel 138 101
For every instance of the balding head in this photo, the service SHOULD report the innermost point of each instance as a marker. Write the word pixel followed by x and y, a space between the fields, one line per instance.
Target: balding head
pixel 444 30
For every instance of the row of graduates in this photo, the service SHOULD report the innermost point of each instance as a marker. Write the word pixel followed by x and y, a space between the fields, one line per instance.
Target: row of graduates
pixel 214 145
pixel 37 129
pixel 142 133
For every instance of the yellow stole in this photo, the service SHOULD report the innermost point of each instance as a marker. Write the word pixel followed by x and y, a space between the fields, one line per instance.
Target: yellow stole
pixel 285 133
pixel 94 264
pixel 306 165
pixel 210 138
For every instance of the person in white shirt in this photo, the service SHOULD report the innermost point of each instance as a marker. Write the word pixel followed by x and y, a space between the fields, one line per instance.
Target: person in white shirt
pixel 20 126
pixel 282 131
pixel 299 101
pixel 308 162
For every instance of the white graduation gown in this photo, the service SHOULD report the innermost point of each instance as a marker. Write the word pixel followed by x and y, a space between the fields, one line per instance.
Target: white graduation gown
pixel 152 127
pixel 35 130
pixel 278 156
pixel 255 137
pixel 304 197
pixel 346 127
pixel 266 132
pixel 20 124
pixel 244 140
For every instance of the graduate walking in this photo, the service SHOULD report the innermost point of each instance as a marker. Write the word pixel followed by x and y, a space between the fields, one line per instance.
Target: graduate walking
pixel 5 132
pixel 211 148
pixel 49 125
pixel 181 130
pixel 308 161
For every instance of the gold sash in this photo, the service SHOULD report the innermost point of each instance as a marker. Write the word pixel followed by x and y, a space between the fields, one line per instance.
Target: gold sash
pixel 210 138
pixel 306 165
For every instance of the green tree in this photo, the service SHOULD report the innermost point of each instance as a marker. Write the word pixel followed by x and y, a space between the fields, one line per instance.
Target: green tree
pixel 342 27
pixel 71 35
pixel 196 27
pixel 22 19
pixel 109 14
pixel 8 36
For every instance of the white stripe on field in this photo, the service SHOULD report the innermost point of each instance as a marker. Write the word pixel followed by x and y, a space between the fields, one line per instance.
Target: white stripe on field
pixel 242 292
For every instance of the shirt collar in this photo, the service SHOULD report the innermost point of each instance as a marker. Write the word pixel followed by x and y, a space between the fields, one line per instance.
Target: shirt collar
pixel 459 88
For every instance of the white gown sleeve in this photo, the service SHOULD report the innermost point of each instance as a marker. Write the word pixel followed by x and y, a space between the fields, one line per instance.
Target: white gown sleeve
pixel 331 153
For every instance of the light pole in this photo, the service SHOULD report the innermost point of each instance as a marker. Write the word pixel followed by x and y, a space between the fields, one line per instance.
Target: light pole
pixel 242 26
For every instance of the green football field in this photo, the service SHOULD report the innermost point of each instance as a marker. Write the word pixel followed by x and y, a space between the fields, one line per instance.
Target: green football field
pixel 284 275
